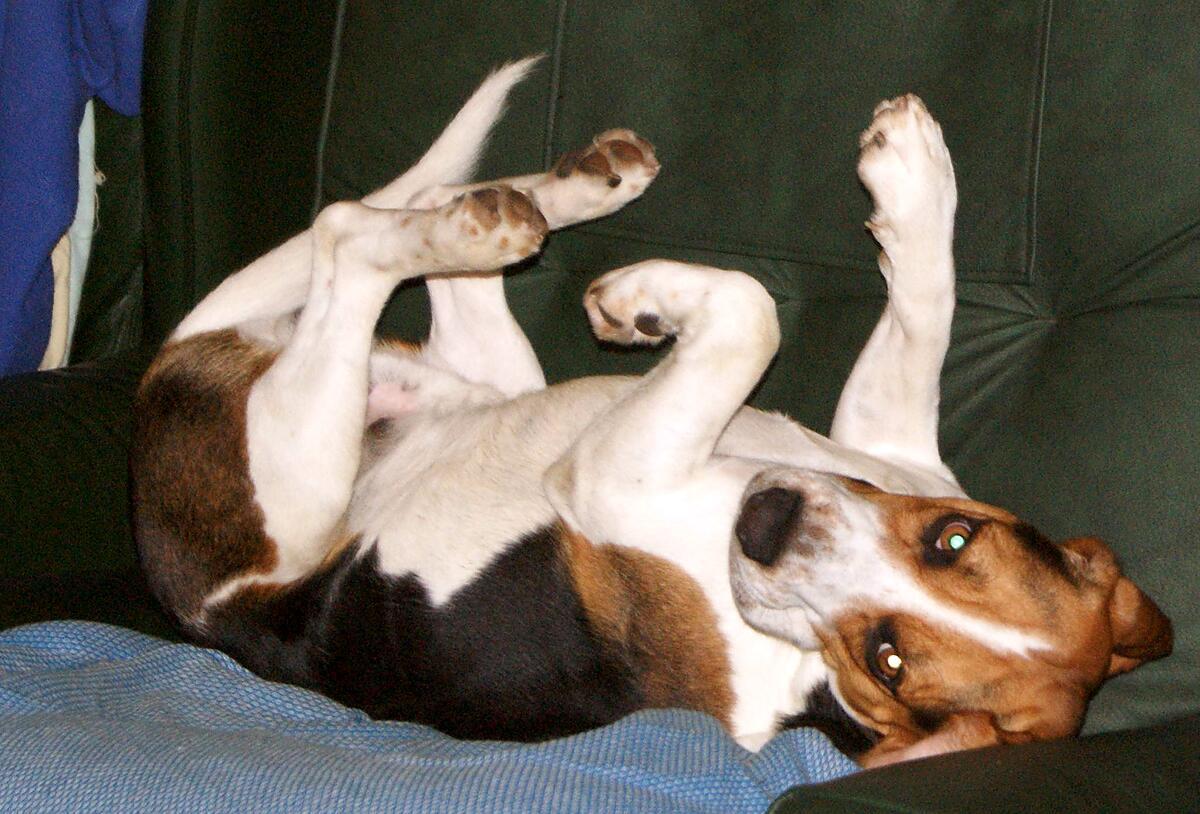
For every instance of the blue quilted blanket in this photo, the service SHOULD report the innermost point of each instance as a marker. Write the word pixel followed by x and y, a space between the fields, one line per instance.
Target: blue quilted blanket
pixel 97 718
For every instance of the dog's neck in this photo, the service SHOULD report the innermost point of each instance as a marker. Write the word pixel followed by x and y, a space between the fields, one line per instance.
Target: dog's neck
pixel 824 712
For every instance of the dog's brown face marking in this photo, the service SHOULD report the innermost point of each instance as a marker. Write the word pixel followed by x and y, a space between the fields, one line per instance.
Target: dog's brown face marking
pixel 195 517
pixel 984 561
pixel 655 618
pixel 964 627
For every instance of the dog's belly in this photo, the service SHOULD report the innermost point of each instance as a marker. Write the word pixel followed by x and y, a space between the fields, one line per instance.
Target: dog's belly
pixel 446 491
pixel 451 491
pixel 451 497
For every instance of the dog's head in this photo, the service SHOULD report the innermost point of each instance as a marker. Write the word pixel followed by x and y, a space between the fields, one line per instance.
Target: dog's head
pixel 946 624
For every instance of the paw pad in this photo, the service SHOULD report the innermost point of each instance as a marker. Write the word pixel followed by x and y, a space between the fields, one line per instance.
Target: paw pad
pixel 907 169
pixel 493 206
pixel 490 228
pixel 649 324
pixel 611 156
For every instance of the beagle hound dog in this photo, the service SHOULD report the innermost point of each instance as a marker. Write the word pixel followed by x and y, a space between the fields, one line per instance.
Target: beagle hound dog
pixel 430 533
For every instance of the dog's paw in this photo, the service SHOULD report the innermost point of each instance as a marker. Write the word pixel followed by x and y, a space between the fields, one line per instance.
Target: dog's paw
pixel 620 159
pixel 649 301
pixel 489 228
pixel 906 167
pixel 622 309
pixel 597 180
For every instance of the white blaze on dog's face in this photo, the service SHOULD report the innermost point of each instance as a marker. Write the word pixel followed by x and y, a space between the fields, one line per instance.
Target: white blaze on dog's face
pixel 946 623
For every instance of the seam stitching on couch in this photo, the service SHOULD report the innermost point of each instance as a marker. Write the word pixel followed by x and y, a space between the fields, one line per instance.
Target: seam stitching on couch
pixel 966 275
pixel 183 122
pixel 1130 269
pixel 335 53
pixel 560 25
pixel 1039 110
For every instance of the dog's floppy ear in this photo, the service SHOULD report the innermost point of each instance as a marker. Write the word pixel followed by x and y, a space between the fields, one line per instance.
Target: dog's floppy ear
pixel 1052 710
pixel 1140 631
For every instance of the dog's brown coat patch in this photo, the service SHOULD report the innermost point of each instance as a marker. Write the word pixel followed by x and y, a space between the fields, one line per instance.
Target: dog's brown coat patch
pixel 195 518
pixel 657 618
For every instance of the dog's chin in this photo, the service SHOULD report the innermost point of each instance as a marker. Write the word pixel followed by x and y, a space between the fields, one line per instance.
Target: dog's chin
pixel 788 620
pixel 789 624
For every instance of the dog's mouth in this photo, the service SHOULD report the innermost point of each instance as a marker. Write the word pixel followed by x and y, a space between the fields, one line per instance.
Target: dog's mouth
pixel 781 614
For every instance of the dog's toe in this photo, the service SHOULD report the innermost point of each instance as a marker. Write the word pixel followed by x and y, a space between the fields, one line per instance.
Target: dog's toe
pixel 495 226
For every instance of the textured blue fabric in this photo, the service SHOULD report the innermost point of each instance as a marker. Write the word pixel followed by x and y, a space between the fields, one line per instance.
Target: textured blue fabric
pixel 97 718
pixel 54 56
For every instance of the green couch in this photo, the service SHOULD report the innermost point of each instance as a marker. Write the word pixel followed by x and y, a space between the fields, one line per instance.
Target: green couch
pixel 1072 389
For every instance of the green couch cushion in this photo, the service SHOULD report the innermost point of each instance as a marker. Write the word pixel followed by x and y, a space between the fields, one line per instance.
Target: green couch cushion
pixel 1118 192
pixel 234 95
pixel 756 111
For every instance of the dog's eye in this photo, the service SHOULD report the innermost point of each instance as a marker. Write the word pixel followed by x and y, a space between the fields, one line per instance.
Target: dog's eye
pixel 889 662
pixel 955 536
pixel 883 656
pixel 945 539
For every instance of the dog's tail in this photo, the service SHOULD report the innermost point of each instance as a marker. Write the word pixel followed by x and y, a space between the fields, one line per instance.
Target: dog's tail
pixel 276 284
pixel 454 156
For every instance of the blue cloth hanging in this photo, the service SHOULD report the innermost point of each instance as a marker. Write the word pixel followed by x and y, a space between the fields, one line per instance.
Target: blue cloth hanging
pixel 54 56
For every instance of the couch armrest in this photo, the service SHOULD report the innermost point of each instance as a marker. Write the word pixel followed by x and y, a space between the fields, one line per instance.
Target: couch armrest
pixel 1151 769
pixel 65 543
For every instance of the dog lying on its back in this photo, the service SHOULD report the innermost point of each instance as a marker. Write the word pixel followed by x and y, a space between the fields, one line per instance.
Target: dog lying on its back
pixel 431 534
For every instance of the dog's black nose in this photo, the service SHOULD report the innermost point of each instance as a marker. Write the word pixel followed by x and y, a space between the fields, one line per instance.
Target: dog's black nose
pixel 767 521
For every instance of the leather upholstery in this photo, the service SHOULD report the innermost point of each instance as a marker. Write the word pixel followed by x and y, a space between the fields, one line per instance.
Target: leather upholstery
pixel 1152 769
pixel 1067 393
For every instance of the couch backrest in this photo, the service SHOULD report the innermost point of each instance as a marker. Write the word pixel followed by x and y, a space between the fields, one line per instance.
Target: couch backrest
pixel 1072 390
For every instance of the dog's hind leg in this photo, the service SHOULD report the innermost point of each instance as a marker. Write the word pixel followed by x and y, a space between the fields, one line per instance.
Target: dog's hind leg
pixel 276 284
pixel 305 416
pixel 473 333
pixel 245 453
pixel 583 184
pixel 889 406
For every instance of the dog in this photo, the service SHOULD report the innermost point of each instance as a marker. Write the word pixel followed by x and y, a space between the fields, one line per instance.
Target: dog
pixel 430 533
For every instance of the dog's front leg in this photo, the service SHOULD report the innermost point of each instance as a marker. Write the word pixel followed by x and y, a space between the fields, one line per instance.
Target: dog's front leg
pixel 659 438
pixel 889 406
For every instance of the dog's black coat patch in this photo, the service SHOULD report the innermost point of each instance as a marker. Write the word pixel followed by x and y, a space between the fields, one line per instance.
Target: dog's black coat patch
pixel 1042 547
pixel 824 713
pixel 929 719
pixel 510 657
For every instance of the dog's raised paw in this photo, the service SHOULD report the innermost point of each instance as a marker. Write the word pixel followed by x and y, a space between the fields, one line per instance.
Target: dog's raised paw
pixel 502 207
pixel 598 179
pixel 614 157
pixel 644 303
pixel 493 227
pixel 622 308
pixel 906 167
